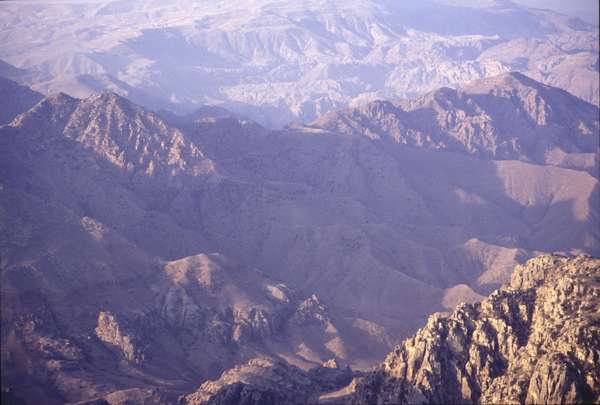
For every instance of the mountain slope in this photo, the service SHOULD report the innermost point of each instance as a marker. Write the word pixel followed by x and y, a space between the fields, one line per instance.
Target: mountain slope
pixel 105 286
pixel 534 341
pixel 505 117
pixel 15 100
pixel 393 228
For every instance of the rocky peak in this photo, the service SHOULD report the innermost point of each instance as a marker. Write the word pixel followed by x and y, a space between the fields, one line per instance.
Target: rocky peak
pixel 543 105
pixel 125 135
pixel 310 311
pixel 52 114
pixel 331 363
pixel 509 116
pixel 133 138
pixel 535 340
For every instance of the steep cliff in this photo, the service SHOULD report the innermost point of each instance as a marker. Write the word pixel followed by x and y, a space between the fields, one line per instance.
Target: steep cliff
pixel 536 340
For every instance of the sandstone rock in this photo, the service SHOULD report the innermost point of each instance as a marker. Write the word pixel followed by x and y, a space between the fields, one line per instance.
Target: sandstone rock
pixel 111 332
pixel 536 340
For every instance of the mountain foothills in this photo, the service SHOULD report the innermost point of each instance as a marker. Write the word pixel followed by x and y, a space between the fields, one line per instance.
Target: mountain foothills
pixel 144 255
pixel 280 61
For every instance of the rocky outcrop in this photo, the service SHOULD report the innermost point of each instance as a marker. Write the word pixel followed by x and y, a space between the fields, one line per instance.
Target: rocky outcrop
pixel 252 324
pixel 269 381
pixel 536 340
pixel 261 380
pixel 310 312
pixel 210 295
pixel 111 332
pixel 331 375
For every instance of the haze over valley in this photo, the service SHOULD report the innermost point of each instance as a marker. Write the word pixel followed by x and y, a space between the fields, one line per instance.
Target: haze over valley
pixel 277 62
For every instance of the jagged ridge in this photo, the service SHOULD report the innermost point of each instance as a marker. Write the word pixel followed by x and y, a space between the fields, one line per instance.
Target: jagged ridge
pixel 509 116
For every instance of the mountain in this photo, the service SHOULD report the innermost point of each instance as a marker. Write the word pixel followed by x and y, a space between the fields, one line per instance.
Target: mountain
pixel 387 223
pixel 15 100
pixel 535 340
pixel 143 254
pixel 283 62
pixel 106 288
pixel 508 117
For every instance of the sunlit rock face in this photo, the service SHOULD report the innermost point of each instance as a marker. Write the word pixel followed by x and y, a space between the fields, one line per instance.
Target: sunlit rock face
pixel 536 340
pixel 278 62
pixel 506 117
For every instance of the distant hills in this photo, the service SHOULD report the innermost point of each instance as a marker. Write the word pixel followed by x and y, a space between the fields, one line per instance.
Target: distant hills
pixel 277 62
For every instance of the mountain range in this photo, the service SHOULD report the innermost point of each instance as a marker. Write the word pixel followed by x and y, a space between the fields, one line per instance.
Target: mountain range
pixel 143 252
pixel 277 62
pixel 533 341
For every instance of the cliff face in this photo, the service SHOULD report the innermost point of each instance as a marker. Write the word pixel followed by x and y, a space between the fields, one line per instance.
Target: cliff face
pixel 536 340
pixel 111 332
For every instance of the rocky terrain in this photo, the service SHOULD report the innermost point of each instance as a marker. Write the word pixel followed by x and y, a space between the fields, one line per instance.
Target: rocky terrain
pixel 92 304
pixel 277 62
pixel 268 381
pixel 536 340
pixel 508 117
pixel 142 254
